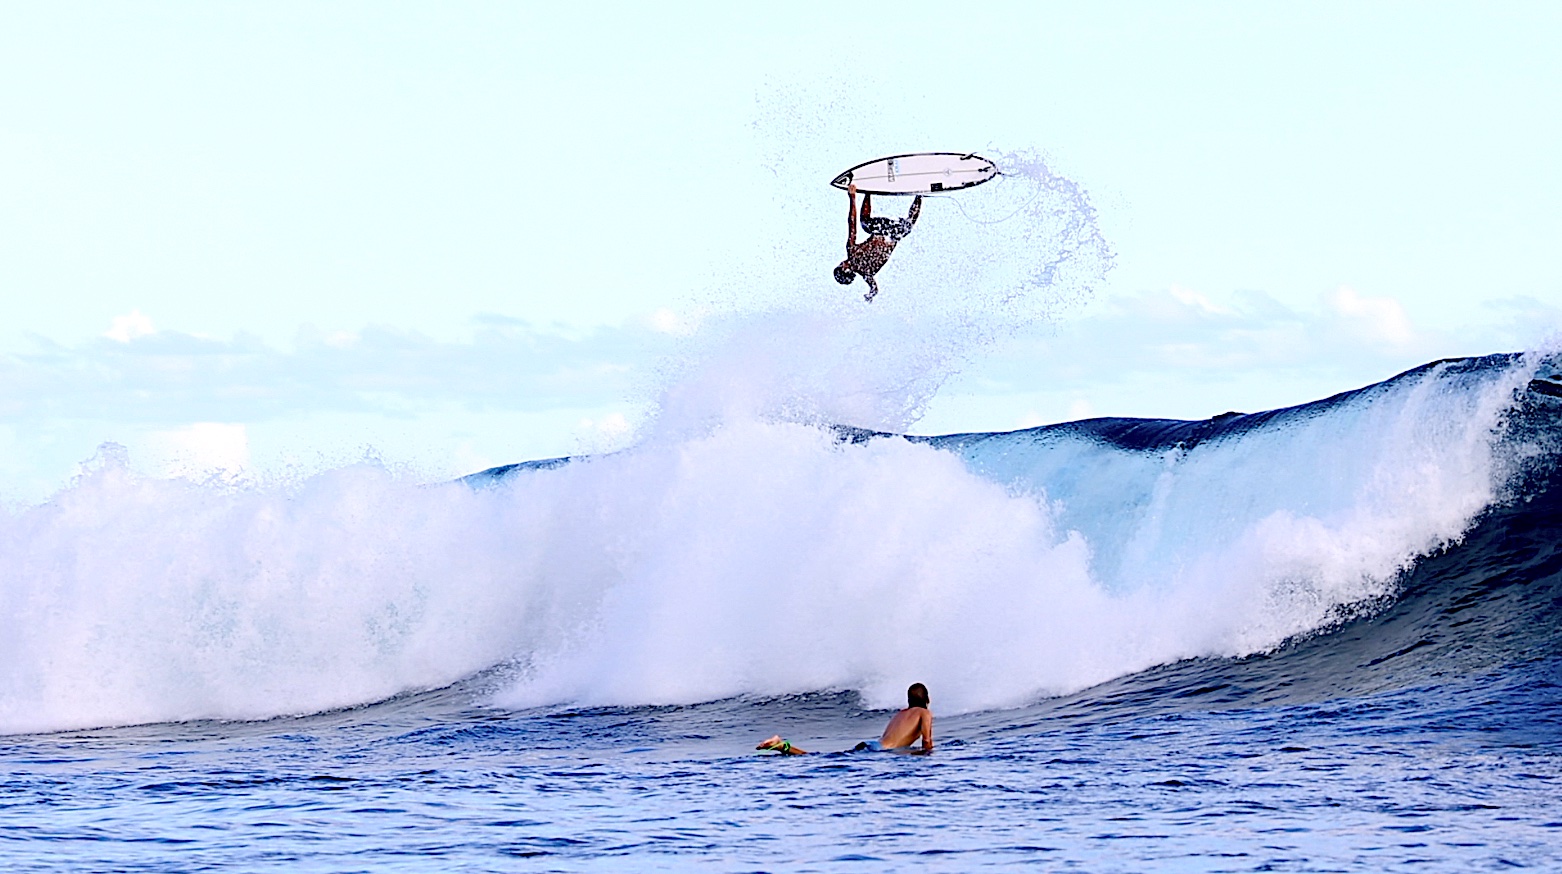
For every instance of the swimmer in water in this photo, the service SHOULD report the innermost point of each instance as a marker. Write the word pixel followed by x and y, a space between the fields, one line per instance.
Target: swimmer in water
pixel 905 727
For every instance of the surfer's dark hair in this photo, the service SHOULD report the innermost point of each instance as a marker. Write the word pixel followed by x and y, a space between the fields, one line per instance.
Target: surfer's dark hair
pixel 844 274
pixel 916 696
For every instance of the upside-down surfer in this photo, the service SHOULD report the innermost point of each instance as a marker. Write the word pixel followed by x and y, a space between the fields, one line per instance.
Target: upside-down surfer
pixel 903 730
pixel 870 256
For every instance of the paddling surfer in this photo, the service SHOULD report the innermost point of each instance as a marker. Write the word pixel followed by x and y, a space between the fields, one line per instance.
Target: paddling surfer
pixel 869 256
pixel 916 721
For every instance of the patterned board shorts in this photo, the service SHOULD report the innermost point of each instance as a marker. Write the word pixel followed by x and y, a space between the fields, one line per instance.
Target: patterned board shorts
pixel 895 229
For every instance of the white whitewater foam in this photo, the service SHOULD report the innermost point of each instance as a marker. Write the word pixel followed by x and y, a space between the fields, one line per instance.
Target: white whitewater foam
pixel 131 600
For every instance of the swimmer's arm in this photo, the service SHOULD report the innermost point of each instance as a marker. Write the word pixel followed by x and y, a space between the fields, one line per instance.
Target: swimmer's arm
pixel 851 218
pixel 927 731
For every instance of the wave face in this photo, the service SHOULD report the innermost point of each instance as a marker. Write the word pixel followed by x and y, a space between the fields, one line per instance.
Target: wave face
pixel 767 558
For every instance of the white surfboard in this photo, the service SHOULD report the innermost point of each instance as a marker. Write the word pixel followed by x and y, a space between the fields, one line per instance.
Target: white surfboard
pixel 921 173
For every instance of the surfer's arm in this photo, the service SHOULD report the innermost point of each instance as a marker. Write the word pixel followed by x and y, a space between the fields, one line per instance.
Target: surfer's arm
pixel 927 731
pixel 916 209
pixel 851 218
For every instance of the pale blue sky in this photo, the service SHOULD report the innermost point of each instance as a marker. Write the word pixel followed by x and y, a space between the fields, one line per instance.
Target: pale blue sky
pixel 273 235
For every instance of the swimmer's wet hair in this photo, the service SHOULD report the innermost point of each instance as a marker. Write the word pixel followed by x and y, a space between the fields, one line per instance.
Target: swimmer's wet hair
pixel 916 696
pixel 844 274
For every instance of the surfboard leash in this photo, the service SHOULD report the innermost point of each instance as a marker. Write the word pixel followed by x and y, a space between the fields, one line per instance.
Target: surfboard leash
pixel 971 218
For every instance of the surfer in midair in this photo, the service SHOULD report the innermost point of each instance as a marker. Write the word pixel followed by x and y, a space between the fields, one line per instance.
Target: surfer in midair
pixel 869 256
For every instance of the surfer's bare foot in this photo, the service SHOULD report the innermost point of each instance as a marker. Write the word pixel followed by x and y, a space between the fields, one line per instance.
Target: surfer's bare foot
pixel 780 746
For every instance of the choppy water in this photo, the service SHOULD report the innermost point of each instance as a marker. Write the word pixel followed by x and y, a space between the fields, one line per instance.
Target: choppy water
pixel 1444 779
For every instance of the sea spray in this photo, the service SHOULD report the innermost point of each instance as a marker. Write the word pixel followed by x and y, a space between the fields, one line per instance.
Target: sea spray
pixel 981 266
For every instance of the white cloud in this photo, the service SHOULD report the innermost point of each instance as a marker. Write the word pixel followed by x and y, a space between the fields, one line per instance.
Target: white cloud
pixel 1180 331
pixel 665 321
pixel 1193 300
pixel 1374 319
pixel 1528 322
pixel 1180 353
pixel 166 378
pixel 603 434
pixel 130 326
pixel 1079 408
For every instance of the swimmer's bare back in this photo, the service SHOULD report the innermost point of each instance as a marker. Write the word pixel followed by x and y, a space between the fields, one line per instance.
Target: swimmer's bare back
pixel 906 727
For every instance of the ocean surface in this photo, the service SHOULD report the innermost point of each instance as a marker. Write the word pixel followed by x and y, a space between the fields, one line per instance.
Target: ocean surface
pixel 1322 638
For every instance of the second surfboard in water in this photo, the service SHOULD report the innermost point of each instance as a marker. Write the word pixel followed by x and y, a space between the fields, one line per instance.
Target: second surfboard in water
pixel 920 173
